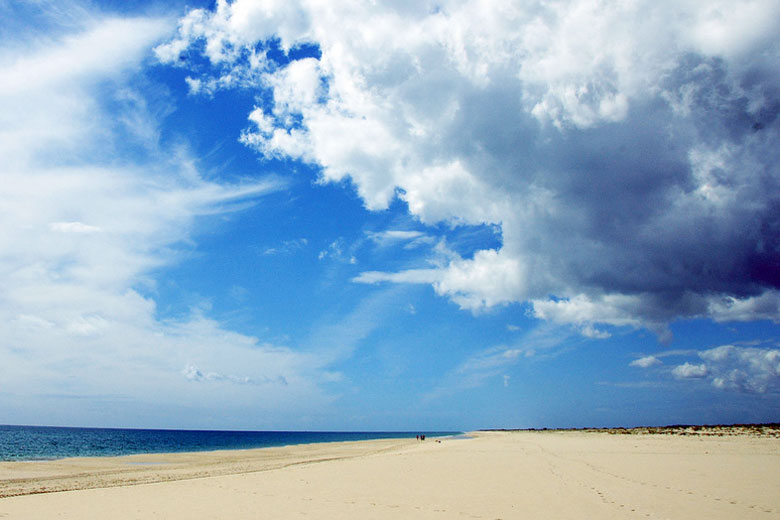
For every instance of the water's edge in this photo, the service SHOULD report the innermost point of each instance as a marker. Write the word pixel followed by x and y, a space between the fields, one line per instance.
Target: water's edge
pixel 40 443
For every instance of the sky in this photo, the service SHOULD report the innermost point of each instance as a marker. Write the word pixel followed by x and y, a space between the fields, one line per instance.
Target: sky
pixel 307 215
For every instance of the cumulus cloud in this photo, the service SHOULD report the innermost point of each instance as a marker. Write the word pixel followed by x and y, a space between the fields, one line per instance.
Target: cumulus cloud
pixel 645 362
pixel 583 311
pixel 728 308
pixel 688 370
pixel 746 369
pixel 626 150
pixel 751 369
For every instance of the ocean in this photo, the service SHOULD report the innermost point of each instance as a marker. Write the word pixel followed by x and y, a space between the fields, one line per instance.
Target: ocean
pixel 20 443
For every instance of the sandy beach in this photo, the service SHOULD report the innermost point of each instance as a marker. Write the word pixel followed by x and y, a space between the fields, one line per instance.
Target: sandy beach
pixel 493 475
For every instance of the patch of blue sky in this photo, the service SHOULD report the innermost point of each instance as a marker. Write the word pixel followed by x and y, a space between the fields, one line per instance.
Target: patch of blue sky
pixel 291 246
pixel 297 52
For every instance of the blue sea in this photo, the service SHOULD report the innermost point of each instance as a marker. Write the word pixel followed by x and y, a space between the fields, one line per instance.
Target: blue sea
pixel 19 443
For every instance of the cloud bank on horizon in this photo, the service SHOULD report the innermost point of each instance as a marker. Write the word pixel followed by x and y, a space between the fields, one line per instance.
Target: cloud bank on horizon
pixel 626 150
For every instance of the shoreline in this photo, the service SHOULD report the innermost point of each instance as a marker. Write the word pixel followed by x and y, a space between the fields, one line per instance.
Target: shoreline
pixel 40 476
pixel 32 477
pixel 521 474
pixel 42 443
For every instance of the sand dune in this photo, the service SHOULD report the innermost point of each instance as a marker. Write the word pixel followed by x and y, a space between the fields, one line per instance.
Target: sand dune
pixel 492 475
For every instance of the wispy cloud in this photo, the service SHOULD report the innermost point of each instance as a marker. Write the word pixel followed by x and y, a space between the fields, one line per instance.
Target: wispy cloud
pixel 632 384
pixel 409 239
pixel 645 362
pixel 73 227
pixel 86 222
pixel 418 276
pixel 492 363
pixel 338 250
pixel 193 373
pixel 287 247
pixel 336 337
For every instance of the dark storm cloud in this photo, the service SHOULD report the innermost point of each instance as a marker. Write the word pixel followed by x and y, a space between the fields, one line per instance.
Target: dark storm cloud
pixel 627 152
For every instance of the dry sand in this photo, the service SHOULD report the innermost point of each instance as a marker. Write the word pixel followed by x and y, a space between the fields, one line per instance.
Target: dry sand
pixel 504 475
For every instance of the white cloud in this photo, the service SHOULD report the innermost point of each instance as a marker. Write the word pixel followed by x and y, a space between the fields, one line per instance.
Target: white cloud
pixel 390 237
pixel 490 363
pixel 287 247
pixel 688 370
pixel 747 369
pixel 85 224
pixel 73 227
pixel 490 278
pixel 589 331
pixel 192 373
pixel 737 368
pixel 764 306
pixel 44 96
pixel 734 29
pixel 645 362
pixel 580 310
pixel 613 143
pixel 105 47
pixel 476 370
pixel 334 250
pixel 419 276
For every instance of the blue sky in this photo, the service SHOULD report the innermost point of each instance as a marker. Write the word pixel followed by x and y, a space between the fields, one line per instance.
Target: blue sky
pixel 405 216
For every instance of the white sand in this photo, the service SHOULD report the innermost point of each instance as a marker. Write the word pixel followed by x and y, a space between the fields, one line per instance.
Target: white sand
pixel 534 475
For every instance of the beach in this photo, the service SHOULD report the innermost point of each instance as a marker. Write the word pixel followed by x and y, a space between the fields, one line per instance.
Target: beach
pixel 492 475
